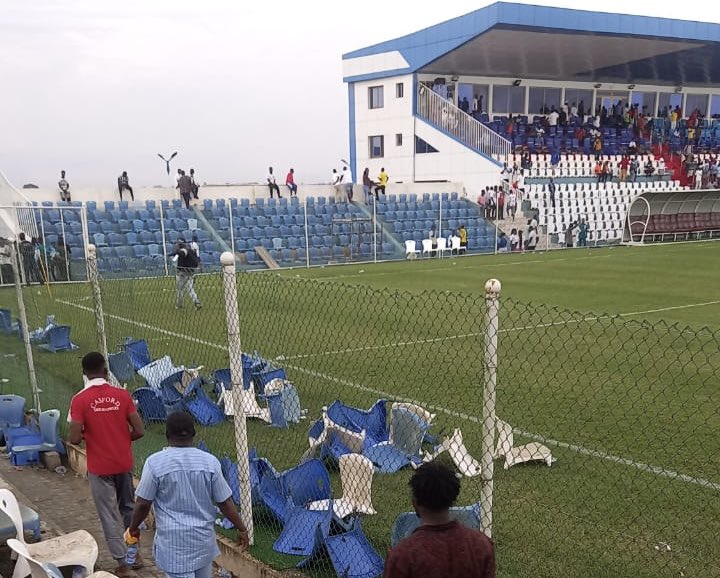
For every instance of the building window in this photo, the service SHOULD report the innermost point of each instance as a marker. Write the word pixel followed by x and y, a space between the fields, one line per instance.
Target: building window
pixel 715 106
pixel 377 146
pixel 645 102
pixel 542 100
pixel 399 90
pixel 508 99
pixel 398 139
pixel 579 98
pixel 696 101
pixel 375 97
pixel 423 147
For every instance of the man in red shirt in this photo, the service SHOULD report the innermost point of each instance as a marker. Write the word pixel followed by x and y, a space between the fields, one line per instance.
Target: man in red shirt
pixel 290 183
pixel 439 546
pixel 105 416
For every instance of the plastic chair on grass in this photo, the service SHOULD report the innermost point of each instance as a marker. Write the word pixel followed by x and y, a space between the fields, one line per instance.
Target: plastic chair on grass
pixel 149 404
pixel 407 431
pixel 298 486
pixel 284 406
pixel 200 406
pixel 158 371
pixel 74 549
pixel 356 472
pixel 6 324
pixel 47 441
pixel 455 446
pixel 121 366
pixel 12 412
pixel 304 531
pixel 138 352
pixel 58 339
pixel 410 251
pixel 407 522
pixel 529 452
pixel 351 554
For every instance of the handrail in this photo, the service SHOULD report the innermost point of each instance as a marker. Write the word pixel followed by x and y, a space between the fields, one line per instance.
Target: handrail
pixel 444 115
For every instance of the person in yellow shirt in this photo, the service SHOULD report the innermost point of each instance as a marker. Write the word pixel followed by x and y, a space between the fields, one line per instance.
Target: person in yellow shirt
pixel 462 233
pixel 382 182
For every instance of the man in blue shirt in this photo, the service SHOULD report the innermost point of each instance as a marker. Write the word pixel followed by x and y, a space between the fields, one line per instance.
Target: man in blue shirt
pixel 184 483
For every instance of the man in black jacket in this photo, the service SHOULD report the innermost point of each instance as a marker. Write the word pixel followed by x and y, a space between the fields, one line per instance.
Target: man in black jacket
pixel 187 264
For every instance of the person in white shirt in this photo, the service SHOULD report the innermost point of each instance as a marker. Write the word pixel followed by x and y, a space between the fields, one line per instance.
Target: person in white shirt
pixel 347 182
pixel 475 103
pixel 514 240
pixel 194 245
pixel 506 176
pixel 512 203
pixel 573 110
pixel 272 184
pixel 553 117
pixel 335 180
pixel 532 238
pixel 565 108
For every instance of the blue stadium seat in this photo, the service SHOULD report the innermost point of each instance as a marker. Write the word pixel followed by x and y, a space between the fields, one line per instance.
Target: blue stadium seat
pixel 107 227
pixel 115 240
pixel 124 252
pixel 154 249
pixel 267 243
pixel 241 245
pixel 138 226
pixel 202 235
pixel 146 237
pixel 75 228
pixel 99 240
pixel 140 250
pixel 132 239
pixel 258 232
pixel 223 223
pixel 124 226
pixel 158 237
pixel 109 205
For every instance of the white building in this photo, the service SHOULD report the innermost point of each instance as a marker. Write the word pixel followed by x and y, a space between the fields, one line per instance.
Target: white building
pixel 405 95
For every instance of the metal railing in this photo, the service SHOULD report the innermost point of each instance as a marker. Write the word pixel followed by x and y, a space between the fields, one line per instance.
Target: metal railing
pixel 444 115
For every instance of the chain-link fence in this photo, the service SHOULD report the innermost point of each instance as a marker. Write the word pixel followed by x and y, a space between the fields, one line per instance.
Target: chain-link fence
pixel 346 389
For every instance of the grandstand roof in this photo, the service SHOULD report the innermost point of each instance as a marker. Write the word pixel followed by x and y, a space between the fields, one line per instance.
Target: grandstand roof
pixel 525 41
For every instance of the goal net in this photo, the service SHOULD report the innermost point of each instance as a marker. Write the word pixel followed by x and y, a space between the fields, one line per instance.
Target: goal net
pixel 16 213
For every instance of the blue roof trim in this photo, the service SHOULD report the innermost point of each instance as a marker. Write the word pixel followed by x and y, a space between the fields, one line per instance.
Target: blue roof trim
pixel 425 46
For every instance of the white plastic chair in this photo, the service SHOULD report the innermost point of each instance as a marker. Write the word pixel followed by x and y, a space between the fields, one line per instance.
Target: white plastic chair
pixel 530 452
pixel 356 472
pixel 47 570
pixel 455 245
pixel 442 246
pixel 74 549
pixel 420 412
pixel 248 402
pixel 410 249
pixel 455 446
pixel 427 247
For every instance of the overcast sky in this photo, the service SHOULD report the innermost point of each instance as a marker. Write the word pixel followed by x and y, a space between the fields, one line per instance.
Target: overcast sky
pixel 100 86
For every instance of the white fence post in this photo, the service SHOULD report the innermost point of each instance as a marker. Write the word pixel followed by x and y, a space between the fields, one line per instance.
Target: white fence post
pixel 492 304
pixel 227 259
pixel 97 297
pixel 25 329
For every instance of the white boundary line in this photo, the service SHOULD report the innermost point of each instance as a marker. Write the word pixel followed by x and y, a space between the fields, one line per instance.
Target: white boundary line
pixel 656 470
pixel 508 330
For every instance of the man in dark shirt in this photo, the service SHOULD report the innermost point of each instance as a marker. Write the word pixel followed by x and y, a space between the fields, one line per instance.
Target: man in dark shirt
pixel 439 547
pixel 185 184
pixel 124 185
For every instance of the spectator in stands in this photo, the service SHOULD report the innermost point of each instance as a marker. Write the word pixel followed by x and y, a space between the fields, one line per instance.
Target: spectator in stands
pixel 440 546
pixel 624 166
pixel 64 187
pixel 698 178
pixel 598 170
pixel 512 202
pixel 551 191
pixel 60 261
pixel 27 258
pixel 634 169
pixel 481 203
pixel 532 239
pixel 476 105
pixel 368 185
pixel 502 243
pixel 597 146
pixel 582 233
pixel 674 116
pixel 290 182
pixel 580 135
pixel 7 274
pixel 606 172
pixel 124 185
pixel 195 185
pixel 465 105
pixel 514 240
pixel 490 205
pixel 106 418
pixel 573 110
pixel 525 162
pixel 501 205
pixel 187 487
pixel 649 168
pixel 335 181
pixel 462 233
pixel 569 235
pixel 348 184
pixel 521 245
pixel 382 182
pixel 272 183
pixel 185 185
pixel 581 110
pixel 563 118
pixel 187 264
pixel 553 117
pixel 505 176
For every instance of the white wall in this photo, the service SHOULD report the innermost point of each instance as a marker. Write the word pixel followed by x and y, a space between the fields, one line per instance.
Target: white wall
pixel 453 158
pixel 395 117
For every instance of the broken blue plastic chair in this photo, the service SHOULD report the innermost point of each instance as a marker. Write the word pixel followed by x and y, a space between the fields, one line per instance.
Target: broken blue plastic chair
pixel 373 421
pixel 305 483
pixel 408 433
pixel 6 324
pixel 222 378
pixel 266 374
pixel 232 477
pixel 304 531
pixel 12 411
pixel 30 522
pixel 351 554
pixel 172 399
pixel 200 406
pixel 121 366
pixel 407 522
pixel 149 404
pixel 284 406
pixel 58 339
pixel 138 352
pixel 48 439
